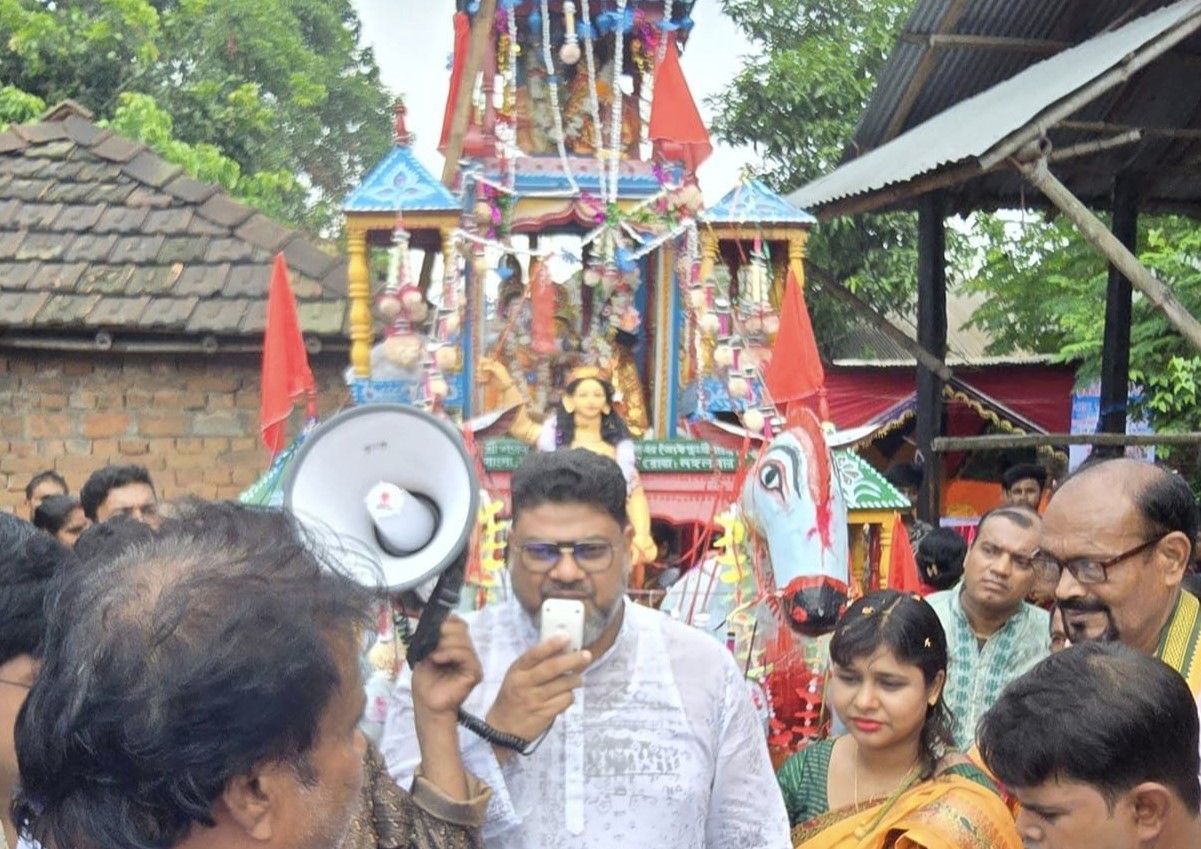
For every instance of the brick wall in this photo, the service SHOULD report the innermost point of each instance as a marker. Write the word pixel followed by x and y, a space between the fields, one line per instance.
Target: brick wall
pixel 192 421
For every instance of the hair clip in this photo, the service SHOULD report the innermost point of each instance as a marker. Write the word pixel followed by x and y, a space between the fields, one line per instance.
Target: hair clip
pixel 868 611
pixel 929 645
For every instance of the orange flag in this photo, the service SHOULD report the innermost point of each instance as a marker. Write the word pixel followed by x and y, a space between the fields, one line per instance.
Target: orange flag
pixel 286 373
pixel 795 370
pixel 676 127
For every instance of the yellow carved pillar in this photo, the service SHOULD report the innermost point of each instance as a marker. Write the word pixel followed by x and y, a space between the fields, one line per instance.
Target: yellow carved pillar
pixel 360 303
pixel 886 529
pixel 796 256
pixel 708 254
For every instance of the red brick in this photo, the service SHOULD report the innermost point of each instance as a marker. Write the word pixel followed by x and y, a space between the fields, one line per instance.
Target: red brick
pixel 47 425
pixel 214 383
pixel 139 399
pixel 191 461
pixel 218 477
pixel 243 476
pixel 12 426
pixel 96 425
pixel 23 367
pixel 248 399
pixel 219 401
pixel 51 400
pixel 191 445
pixel 78 366
pixel 133 447
pixel 105 448
pixel 76 467
pixel 162 424
pixel 188 479
pixel 24 467
pixel 216 445
pixel 244 444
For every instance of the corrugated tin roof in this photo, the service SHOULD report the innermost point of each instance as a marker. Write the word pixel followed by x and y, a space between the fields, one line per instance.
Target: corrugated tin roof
pixel 751 201
pixel 974 129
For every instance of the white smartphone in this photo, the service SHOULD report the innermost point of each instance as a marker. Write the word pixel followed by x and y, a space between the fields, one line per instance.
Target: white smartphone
pixel 564 616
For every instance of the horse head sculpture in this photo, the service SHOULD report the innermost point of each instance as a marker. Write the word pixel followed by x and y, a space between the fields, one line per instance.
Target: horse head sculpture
pixel 792 500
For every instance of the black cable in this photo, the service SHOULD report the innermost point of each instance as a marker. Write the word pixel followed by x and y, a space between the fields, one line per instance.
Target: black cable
pixel 473 723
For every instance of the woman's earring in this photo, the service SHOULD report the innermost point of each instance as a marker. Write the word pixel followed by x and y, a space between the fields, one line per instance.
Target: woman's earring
pixel 606 410
pixel 569 406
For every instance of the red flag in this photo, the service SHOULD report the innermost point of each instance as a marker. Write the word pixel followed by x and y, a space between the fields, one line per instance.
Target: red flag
pixel 286 373
pixel 676 126
pixel 462 42
pixel 795 370
pixel 902 566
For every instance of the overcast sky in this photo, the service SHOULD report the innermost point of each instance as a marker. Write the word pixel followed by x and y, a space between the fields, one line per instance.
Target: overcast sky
pixel 413 41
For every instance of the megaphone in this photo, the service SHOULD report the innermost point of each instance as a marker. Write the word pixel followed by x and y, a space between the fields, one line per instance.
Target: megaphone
pixel 399 483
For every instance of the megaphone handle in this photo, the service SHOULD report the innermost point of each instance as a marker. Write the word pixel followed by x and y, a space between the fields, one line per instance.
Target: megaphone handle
pixel 443 600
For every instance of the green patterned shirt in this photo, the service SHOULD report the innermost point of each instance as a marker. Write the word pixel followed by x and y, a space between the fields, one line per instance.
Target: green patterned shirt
pixel 977 674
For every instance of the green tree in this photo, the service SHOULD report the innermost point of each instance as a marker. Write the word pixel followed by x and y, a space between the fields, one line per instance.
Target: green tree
pixel 1046 290
pixel 275 99
pixel 797 103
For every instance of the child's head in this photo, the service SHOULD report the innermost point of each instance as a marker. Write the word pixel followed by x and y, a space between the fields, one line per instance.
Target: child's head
pixel 940 558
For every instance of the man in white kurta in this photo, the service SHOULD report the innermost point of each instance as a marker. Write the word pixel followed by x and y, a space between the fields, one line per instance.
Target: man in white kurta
pixel 661 748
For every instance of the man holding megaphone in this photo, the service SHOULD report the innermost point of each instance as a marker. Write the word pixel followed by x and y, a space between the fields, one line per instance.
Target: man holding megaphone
pixel 640 732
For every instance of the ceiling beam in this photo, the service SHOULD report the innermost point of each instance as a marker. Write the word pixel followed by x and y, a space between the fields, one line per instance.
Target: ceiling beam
pixel 942 41
pixel 924 69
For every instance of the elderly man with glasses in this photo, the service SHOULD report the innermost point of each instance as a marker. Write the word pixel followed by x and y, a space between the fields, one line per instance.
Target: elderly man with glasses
pixel 1118 538
pixel 646 737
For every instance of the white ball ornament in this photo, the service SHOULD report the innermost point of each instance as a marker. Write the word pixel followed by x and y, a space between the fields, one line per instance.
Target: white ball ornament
pixel 771 325
pixel 723 355
pixel 709 324
pixel 438 388
pixel 389 306
pixel 569 53
pixel 446 358
pixel 739 388
pixel 452 323
pixel 754 421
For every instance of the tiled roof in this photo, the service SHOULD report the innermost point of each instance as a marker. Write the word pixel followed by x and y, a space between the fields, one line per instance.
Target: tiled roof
pixel 99 233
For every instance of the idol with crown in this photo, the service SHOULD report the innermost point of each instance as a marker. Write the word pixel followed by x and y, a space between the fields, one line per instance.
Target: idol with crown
pixel 586 416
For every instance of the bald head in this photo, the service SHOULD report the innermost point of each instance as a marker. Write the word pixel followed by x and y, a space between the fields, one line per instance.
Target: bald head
pixel 1162 499
pixel 1135 523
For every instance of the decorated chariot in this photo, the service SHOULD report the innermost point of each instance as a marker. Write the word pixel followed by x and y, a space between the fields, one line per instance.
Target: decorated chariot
pixel 565 286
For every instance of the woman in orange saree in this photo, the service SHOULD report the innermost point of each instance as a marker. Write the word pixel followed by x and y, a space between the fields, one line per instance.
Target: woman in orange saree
pixel 892 782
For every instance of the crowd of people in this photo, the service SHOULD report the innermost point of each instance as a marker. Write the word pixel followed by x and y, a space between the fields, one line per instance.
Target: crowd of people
pixel 194 677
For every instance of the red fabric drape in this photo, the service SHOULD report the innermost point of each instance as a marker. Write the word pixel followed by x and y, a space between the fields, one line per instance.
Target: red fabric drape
pixel 676 127
pixel 286 373
pixel 795 370
pixel 542 309
pixel 462 41
pixel 902 566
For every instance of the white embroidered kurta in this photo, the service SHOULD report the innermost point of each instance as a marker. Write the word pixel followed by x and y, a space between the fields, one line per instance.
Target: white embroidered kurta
pixel 662 748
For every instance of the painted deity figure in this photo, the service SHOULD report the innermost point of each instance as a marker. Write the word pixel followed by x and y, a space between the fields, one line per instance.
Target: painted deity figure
pixel 584 418
pixel 579 128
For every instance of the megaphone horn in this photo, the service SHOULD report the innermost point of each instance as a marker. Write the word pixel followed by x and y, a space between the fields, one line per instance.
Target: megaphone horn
pixel 394 480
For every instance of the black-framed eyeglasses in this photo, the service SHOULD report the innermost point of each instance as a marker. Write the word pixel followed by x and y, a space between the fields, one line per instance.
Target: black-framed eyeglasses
pixel 590 555
pixel 1085 569
pixel 20 684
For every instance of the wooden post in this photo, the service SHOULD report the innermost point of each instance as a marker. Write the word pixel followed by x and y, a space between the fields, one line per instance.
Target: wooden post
pixel 481 31
pixel 359 292
pixel 931 335
pixel 1115 355
pixel 708 254
pixel 1095 231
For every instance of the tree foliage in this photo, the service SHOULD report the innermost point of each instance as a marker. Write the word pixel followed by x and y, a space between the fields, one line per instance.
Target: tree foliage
pixel 274 99
pixel 797 102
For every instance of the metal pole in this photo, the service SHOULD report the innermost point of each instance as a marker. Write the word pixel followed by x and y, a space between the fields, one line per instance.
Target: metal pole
pixel 932 336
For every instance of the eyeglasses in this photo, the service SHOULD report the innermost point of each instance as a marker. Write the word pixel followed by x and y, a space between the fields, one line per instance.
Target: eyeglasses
pixel 16 684
pixel 590 555
pixel 1084 569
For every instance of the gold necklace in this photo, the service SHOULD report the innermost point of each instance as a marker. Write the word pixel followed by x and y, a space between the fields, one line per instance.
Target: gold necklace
pixel 907 782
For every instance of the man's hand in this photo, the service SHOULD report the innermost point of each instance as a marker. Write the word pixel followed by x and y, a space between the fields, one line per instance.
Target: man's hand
pixel 446 677
pixel 537 688
pixel 441 683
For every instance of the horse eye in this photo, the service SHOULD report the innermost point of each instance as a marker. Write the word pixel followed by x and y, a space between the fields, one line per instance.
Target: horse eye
pixel 771 479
